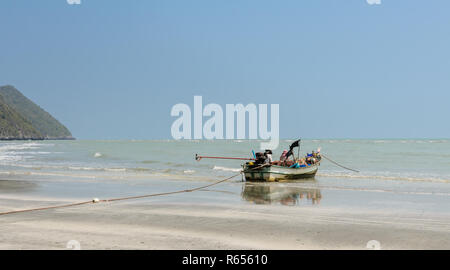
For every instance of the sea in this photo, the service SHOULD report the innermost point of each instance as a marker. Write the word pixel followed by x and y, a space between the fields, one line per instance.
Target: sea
pixel 405 175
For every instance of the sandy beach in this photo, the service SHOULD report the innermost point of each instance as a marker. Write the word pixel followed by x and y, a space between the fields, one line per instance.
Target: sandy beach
pixel 154 225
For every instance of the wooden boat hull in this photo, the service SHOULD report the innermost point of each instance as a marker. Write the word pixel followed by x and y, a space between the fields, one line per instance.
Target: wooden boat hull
pixel 276 173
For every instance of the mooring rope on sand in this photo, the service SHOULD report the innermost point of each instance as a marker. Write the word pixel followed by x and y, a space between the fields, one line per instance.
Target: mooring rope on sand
pixel 45 208
pixel 172 192
pixel 334 162
pixel 124 198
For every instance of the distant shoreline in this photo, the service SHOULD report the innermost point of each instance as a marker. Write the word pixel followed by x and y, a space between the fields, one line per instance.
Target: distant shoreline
pixel 37 139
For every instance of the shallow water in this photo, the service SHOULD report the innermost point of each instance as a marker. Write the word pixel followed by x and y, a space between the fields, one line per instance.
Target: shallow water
pixel 400 175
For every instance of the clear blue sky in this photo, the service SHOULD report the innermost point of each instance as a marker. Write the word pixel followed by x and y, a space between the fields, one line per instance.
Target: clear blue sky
pixel 338 68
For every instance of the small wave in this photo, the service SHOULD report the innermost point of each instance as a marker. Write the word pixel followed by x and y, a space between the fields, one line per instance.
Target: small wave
pixel 79 168
pixel 97 155
pixel 189 171
pixel 19 146
pixel 382 177
pixel 115 169
pixel 32 153
pixel 138 169
pixel 386 191
pixel 10 158
pixel 14 152
pixel 226 169
pixel 47 174
pixel 55 167
pixel 149 161
pixel 82 168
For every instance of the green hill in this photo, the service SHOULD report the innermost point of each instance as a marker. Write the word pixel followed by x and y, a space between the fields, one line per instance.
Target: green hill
pixel 14 126
pixel 21 118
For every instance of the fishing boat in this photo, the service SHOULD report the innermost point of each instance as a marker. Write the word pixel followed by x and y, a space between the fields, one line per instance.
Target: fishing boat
pixel 271 173
pixel 262 168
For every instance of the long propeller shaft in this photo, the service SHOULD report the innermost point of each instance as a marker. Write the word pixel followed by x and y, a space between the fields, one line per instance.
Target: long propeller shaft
pixel 198 158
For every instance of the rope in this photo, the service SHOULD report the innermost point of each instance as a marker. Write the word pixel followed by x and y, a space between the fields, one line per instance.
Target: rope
pixel 169 193
pixel 332 161
pixel 125 198
pixel 45 208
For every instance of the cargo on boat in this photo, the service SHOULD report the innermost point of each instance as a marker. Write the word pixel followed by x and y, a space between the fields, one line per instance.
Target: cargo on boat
pixel 264 169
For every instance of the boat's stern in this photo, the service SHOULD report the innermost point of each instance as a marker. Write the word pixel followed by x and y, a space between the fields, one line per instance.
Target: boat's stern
pixel 257 172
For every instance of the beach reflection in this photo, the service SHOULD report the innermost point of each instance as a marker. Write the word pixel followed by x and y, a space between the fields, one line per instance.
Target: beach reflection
pixel 278 193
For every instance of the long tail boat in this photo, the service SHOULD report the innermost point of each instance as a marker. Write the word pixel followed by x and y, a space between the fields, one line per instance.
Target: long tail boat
pixel 260 169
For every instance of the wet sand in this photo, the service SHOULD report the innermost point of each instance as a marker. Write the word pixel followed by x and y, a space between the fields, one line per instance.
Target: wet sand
pixel 153 224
